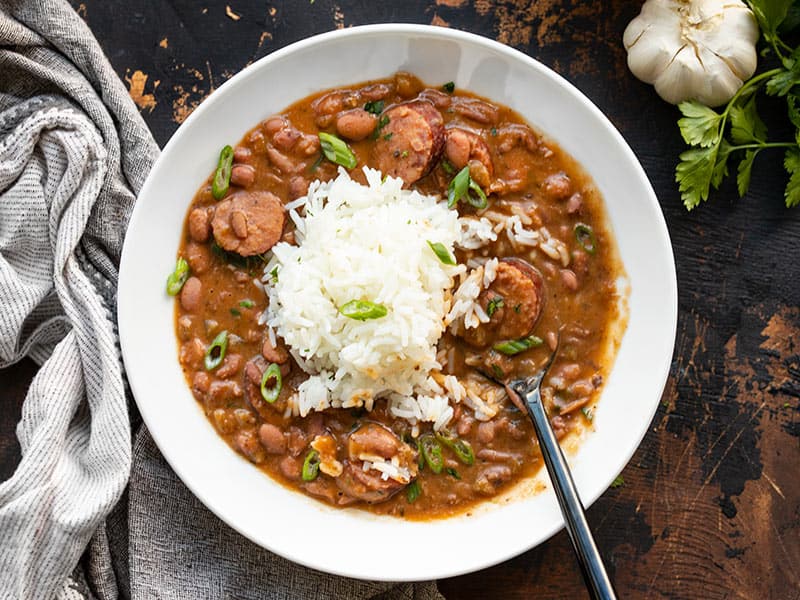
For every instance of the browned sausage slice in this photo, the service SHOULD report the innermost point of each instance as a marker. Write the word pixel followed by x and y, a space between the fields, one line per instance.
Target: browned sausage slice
pixel 520 286
pixel 249 223
pixel 411 141
pixel 372 439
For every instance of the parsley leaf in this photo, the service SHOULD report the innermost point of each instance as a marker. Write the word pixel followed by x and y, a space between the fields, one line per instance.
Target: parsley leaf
pixel 770 14
pixel 700 125
pixel 746 125
pixel 782 82
pixel 693 174
pixel 743 171
pixel 791 162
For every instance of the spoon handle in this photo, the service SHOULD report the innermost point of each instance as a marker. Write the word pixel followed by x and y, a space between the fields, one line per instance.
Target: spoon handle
pixel 592 567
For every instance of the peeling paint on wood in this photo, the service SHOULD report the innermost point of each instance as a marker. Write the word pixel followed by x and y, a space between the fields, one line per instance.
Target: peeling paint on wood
pixel 136 88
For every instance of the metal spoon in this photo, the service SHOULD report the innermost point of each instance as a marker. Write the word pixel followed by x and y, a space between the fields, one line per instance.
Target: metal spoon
pixel 525 395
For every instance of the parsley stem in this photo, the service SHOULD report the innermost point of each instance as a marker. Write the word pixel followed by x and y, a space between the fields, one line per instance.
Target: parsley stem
pixel 746 88
pixel 764 146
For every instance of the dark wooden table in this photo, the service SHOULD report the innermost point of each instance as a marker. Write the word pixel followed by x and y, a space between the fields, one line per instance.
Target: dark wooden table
pixel 710 507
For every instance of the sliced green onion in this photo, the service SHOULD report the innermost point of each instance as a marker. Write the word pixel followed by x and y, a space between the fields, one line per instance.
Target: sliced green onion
pixel 269 392
pixel 337 151
pixel 447 167
pixel 178 277
pixel 246 303
pixel 512 347
pixel 480 201
pixel 215 353
pixel 362 310
pixel 431 452
pixel 585 236
pixel 413 491
pixel 460 188
pixel 461 448
pixel 587 412
pixel 311 466
pixel 442 253
pixel 449 87
pixel 236 312
pixel 222 176
pixel 452 472
pixel 497 371
pixel 494 304
pixel 375 107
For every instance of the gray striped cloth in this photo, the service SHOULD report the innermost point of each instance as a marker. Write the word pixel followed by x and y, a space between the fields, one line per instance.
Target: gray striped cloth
pixel 89 512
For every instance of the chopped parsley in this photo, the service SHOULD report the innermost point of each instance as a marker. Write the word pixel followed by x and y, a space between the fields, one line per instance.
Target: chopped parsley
pixel 494 304
pixel 375 107
pixel 382 122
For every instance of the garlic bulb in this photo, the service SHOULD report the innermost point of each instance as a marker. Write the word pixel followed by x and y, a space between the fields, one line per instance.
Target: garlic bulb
pixel 693 49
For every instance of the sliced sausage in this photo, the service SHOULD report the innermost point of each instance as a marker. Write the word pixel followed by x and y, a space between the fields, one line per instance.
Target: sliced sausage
pixel 411 141
pixel 372 439
pixel 520 286
pixel 355 124
pixel 366 485
pixel 249 223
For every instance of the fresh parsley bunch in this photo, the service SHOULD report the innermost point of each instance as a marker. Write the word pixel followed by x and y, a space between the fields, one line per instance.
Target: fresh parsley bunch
pixel 738 133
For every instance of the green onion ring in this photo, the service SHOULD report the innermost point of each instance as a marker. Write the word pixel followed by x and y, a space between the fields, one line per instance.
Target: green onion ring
pixel 512 347
pixel 432 452
pixel 363 310
pixel 442 253
pixel 311 466
pixel 178 277
pixel 585 236
pixel 222 176
pixel 337 151
pixel 213 359
pixel 271 393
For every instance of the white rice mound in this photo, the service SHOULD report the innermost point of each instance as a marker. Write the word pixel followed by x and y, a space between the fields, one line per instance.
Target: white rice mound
pixel 370 243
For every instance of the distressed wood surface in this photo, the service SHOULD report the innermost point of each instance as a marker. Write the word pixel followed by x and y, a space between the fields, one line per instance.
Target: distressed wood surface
pixel 710 507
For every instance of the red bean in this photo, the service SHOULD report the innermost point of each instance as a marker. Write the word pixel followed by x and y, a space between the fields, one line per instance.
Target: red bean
pixel 272 439
pixel 290 468
pixel 557 186
pixel 191 294
pixel 569 279
pixel 486 432
pixel 276 354
pixel 355 124
pixel 199 225
pixel 241 154
pixel 243 175
pixel 574 203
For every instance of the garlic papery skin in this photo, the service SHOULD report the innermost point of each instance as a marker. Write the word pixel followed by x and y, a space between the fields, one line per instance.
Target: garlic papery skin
pixel 693 50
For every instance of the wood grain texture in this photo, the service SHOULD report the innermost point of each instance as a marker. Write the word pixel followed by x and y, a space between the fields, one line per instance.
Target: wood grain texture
pixel 710 507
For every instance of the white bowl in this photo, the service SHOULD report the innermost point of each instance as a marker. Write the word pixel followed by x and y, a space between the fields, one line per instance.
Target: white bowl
pixel 351 542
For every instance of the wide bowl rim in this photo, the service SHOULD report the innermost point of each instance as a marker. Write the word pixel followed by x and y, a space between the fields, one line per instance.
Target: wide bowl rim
pixel 659 374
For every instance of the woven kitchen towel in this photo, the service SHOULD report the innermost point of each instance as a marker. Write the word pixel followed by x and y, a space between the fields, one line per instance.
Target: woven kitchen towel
pixel 73 153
